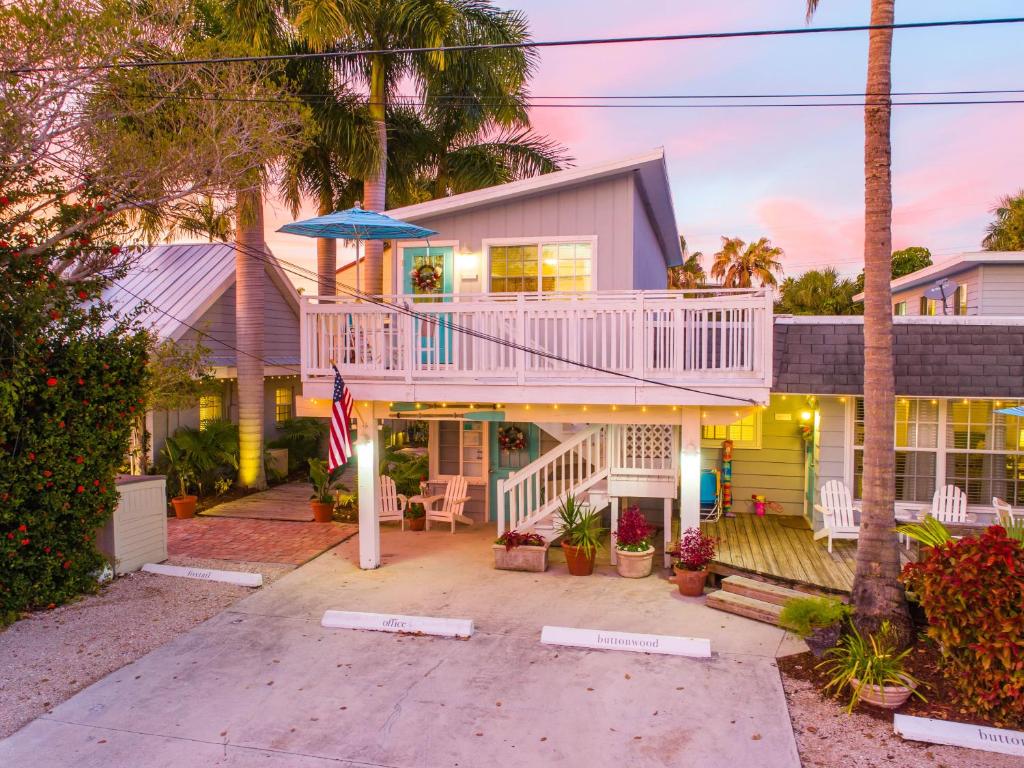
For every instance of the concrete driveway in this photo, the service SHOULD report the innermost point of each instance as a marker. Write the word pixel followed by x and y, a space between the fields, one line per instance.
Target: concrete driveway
pixel 263 684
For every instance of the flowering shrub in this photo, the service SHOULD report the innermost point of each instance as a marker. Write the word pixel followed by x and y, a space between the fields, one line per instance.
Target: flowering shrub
pixel 71 378
pixel 634 532
pixel 695 550
pixel 513 539
pixel 972 591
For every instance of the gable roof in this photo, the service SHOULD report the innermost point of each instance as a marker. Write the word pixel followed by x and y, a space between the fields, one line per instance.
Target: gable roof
pixel 649 169
pixel 182 281
pixel 954 265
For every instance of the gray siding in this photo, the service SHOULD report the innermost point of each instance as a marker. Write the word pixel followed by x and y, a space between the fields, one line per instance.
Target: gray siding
pixel 970 280
pixel 602 208
pixel 281 331
pixel 1002 289
pixel 649 269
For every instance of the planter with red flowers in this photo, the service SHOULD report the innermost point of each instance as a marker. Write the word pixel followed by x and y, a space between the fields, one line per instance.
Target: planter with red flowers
pixel 634 552
pixel 695 553
pixel 514 551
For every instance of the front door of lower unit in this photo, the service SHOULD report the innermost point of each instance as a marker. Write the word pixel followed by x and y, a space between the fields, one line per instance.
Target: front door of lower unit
pixel 513 445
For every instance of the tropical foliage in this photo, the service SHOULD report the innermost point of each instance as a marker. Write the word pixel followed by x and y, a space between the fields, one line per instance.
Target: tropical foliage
pixel 71 376
pixel 803 615
pixel 407 468
pixel 579 525
pixel 904 262
pixel 303 436
pixel 634 532
pixel 512 539
pixel 818 292
pixel 1006 232
pixel 696 550
pixel 982 640
pixel 201 457
pixel 741 265
pixel 689 274
pixel 324 482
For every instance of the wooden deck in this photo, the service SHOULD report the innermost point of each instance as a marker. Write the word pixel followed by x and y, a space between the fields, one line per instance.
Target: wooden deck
pixel 782 548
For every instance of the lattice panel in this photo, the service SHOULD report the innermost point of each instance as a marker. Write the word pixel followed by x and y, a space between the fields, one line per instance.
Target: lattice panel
pixel 648 446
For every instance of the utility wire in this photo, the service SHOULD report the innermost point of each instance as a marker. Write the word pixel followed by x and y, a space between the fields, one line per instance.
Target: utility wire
pixel 344 54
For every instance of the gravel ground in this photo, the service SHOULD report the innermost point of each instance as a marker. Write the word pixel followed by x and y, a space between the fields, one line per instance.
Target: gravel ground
pixel 51 655
pixel 826 737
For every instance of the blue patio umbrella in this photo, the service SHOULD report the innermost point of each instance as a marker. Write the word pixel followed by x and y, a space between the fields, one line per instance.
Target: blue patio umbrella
pixel 357 224
pixel 1015 410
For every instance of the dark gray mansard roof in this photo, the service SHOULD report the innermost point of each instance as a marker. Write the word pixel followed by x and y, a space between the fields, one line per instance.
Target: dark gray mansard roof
pixel 935 356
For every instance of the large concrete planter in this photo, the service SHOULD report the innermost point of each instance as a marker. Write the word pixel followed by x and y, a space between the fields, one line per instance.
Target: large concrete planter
pixel 634 565
pixel 531 559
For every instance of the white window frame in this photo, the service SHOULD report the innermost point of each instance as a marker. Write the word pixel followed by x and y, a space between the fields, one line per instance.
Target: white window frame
pixel 434 451
pixel 487 243
pixel 291 404
pixel 755 444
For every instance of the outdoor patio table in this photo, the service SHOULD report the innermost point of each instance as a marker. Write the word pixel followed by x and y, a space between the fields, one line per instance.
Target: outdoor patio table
pixel 425 499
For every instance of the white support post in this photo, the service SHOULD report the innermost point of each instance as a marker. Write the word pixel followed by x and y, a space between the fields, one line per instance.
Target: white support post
pixel 689 468
pixel 368 460
pixel 612 555
pixel 667 533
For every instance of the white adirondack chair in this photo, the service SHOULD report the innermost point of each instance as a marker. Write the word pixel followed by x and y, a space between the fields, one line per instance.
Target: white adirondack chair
pixel 456 494
pixel 1004 512
pixel 838 512
pixel 392 503
pixel 949 505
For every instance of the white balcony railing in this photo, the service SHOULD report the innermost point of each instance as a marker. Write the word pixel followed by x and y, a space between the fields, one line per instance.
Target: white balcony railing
pixel 692 337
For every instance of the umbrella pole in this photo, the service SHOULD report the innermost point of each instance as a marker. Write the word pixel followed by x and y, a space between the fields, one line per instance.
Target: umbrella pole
pixel 357 269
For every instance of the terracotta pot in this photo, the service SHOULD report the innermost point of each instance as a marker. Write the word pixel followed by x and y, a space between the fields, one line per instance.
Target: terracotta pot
pixel 634 565
pixel 184 507
pixel 885 696
pixel 579 562
pixel 322 513
pixel 525 558
pixel 690 583
pixel 417 523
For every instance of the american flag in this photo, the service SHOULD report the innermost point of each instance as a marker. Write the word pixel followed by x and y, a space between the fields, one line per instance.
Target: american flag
pixel 340 450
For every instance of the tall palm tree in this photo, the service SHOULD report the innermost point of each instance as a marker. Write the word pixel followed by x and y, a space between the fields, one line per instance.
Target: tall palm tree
pixel 689 274
pixel 342 146
pixel 877 593
pixel 203 217
pixel 739 264
pixel 489 81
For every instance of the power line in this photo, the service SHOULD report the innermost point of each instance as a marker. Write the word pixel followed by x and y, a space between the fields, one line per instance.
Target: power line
pixel 578 42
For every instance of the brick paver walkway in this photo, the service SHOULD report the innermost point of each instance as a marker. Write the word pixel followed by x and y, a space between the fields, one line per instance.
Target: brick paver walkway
pixel 259 541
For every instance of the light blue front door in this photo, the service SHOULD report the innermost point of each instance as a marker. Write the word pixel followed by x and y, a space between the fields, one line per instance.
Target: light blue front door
pixel 434 340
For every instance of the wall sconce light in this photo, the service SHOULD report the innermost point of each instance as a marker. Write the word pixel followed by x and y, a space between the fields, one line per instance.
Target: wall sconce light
pixel 468 265
pixel 805 415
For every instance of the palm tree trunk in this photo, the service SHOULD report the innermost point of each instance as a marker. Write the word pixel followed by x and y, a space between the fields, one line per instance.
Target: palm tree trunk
pixel 375 186
pixel 326 259
pixel 877 593
pixel 250 281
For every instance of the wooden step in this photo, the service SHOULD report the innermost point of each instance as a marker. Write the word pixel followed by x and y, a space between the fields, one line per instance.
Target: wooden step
pixel 760 590
pixel 741 605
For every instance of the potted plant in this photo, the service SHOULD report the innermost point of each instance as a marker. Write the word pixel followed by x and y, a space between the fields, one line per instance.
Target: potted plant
pixel 635 553
pixel 871 668
pixel 323 482
pixel 184 503
pixel 417 517
pixel 515 551
pixel 581 535
pixel 818 620
pixel 695 552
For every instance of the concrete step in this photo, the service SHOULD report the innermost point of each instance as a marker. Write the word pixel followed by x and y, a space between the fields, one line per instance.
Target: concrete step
pixel 760 590
pixel 741 605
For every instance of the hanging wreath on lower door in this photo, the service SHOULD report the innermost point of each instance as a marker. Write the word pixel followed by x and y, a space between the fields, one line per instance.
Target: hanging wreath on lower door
pixel 426 277
pixel 511 439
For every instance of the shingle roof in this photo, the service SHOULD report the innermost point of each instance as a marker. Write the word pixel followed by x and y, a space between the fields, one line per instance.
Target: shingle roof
pixel 935 357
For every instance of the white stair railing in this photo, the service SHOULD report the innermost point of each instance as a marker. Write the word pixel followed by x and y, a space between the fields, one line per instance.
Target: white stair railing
pixel 534 492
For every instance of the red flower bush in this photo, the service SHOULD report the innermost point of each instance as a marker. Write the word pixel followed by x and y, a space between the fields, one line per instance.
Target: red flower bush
pixel 972 591
pixel 695 550
pixel 634 532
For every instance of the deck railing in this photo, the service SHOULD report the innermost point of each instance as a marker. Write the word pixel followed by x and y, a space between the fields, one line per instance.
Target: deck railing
pixel 692 336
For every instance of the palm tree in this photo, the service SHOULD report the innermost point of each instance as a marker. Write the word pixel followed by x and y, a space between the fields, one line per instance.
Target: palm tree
pixel 202 217
pixel 1006 232
pixel 490 82
pixel 689 274
pixel 738 264
pixel 877 593
pixel 818 292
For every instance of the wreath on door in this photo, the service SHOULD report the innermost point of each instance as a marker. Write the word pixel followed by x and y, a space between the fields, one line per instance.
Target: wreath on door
pixel 511 439
pixel 426 277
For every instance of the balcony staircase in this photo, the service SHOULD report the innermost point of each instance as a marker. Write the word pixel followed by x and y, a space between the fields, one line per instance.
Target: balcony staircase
pixel 593 464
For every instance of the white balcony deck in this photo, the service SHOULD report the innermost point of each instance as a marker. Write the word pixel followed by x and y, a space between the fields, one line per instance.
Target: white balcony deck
pixel 605 347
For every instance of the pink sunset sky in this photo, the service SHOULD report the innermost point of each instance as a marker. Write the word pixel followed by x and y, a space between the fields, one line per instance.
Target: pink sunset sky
pixel 792 175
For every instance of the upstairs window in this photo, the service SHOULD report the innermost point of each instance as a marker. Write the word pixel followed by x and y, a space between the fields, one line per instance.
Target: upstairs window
pixel 282 405
pixel 539 266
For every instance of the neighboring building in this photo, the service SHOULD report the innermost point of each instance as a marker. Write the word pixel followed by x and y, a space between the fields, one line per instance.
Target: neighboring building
pixel 986 283
pixel 191 288
pixel 547 318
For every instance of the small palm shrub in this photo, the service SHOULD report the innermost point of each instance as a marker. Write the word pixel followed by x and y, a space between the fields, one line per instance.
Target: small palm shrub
pixel 303 436
pixel 580 526
pixel 205 455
